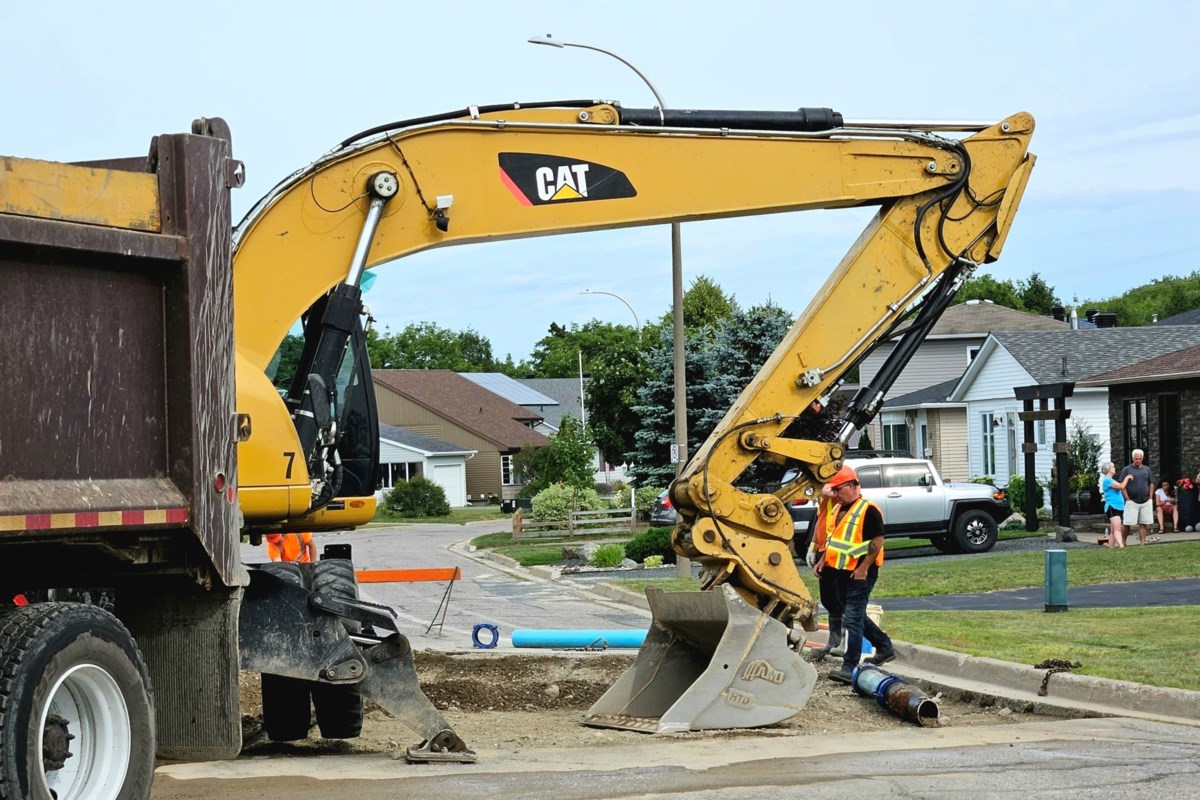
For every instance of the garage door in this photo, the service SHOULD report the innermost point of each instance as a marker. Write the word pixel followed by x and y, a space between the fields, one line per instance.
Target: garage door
pixel 453 480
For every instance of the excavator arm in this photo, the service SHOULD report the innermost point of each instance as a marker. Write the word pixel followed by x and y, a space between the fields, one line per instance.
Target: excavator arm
pixel 487 174
pixel 727 656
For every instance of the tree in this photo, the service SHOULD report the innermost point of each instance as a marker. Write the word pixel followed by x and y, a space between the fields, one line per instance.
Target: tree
pixel 705 307
pixel 720 363
pixel 556 355
pixel 985 287
pixel 426 345
pixel 1164 297
pixel 283 364
pixel 612 391
pixel 567 459
pixel 1037 296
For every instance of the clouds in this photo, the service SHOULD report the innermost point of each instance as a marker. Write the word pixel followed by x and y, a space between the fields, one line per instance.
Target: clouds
pixel 1112 85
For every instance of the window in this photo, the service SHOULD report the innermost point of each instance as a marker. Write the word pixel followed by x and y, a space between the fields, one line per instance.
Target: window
pixel 906 474
pixel 895 437
pixel 391 474
pixel 1039 428
pixel 868 477
pixel 971 353
pixel 1135 427
pixel 508 471
pixel 988 442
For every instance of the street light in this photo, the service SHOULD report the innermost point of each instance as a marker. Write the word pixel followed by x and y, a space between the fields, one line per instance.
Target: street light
pixel 637 323
pixel 684 568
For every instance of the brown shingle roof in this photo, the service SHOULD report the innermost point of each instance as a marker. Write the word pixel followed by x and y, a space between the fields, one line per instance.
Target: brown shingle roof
pixel 464 403
pixel 1183 363
pixel 981 318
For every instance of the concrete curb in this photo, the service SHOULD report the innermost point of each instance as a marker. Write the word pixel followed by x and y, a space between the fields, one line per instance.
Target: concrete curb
pixel 1075 695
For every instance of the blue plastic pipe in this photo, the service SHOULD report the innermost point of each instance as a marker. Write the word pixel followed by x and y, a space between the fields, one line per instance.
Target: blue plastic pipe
pixel 578 639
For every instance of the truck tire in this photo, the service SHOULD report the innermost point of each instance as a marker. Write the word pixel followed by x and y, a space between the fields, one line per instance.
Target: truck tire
pixel 286 710
pixel 975 531
pixel 286 705
pixel 76 715
pixel 339 707
pixel 944 544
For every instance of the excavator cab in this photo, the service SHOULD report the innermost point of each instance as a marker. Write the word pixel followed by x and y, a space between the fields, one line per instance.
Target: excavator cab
pixel 332 398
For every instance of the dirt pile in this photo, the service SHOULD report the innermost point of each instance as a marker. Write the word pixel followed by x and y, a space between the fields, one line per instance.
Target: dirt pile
pixel 503 701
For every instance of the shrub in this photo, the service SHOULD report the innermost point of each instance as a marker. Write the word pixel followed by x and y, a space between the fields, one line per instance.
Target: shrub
pixel 645 500
pixel 608 555
pixel 1016 493
pixel 417 497
pixel 652 561
pixel 864 441
pixel 984 480
pixel 652 542
pixel 557 501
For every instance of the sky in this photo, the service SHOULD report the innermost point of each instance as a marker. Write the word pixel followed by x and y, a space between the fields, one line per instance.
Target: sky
pixel 1114 87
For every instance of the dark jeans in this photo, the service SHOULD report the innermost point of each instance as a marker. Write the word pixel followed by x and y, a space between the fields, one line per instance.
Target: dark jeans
pixel 854 596
pixel 831 599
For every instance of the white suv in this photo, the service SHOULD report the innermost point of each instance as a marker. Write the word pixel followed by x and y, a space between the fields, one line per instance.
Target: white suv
pixel 916 502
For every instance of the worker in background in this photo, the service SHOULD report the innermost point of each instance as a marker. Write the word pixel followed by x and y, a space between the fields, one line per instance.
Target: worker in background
pixel 853 554
pixel 291 547
pixel 828 586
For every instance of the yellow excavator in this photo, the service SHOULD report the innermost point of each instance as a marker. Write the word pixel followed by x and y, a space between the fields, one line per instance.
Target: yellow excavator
pixel 726 656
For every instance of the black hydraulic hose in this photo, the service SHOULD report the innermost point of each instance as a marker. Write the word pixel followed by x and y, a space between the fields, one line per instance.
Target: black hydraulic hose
pixel 465 112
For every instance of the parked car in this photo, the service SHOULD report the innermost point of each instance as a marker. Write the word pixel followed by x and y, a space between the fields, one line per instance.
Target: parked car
pixel 916 502
pixel 662 514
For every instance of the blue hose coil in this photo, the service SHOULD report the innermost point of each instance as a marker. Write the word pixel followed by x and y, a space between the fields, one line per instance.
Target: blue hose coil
pixel 485 626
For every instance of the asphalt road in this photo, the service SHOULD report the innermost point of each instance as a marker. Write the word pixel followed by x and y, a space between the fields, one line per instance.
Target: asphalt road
pixel 1110 758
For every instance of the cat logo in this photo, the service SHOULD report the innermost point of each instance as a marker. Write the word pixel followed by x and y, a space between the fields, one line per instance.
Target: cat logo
pixel 538 180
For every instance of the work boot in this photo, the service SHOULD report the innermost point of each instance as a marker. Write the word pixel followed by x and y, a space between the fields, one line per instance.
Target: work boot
pixel 843 674
pixel 881 657
pixel 833 640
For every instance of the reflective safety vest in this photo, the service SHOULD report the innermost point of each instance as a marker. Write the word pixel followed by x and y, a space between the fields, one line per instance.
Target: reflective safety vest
pixel 288 547
pixel 845 545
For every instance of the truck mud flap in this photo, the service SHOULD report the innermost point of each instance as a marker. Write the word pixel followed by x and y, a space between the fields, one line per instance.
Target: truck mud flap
pixel 710 661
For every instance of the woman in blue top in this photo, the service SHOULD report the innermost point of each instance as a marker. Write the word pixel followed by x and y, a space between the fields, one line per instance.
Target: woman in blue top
pixel 1114 502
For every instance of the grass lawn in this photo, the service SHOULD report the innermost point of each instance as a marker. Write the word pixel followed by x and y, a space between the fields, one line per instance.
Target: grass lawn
pixel 1152 646
pixel 457 516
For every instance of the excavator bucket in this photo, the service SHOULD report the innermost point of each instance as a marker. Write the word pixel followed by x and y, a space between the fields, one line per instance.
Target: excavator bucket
pixel 709 661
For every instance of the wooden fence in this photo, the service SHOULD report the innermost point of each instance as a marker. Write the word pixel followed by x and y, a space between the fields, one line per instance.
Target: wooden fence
pixel 579 523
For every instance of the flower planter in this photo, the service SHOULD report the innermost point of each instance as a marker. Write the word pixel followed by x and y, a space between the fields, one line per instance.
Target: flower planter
pixel 1186 499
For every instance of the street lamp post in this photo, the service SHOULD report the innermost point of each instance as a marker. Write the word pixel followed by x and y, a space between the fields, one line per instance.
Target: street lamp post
pixel 637 323
pixel 684 567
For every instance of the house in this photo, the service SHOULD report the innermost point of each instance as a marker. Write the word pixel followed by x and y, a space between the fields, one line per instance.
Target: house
pixel 404 454
pixel 444 405
pixel 1152 406
pixel 1008 360
pixel 916 414
pixel 523 394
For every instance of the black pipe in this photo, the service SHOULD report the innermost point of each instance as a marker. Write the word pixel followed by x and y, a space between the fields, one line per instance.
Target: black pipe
pixel 802 119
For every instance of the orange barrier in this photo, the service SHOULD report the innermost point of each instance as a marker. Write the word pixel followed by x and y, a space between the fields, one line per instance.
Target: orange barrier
pixel 409 575
pixel 418 575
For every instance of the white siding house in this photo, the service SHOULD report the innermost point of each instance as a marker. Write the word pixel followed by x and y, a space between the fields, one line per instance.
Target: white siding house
pixel 1009 360
pixel 404 454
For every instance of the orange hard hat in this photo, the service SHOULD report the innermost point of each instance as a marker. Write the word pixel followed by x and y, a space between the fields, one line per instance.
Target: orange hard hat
pixel 844 475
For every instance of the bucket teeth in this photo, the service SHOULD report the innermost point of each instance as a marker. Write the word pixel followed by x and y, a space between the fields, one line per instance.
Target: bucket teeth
pixel 709 661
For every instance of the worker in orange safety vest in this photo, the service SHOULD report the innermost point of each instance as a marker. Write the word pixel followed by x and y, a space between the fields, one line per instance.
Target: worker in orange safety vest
pixel 828 586
pixel 853 554
pixel 291 547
